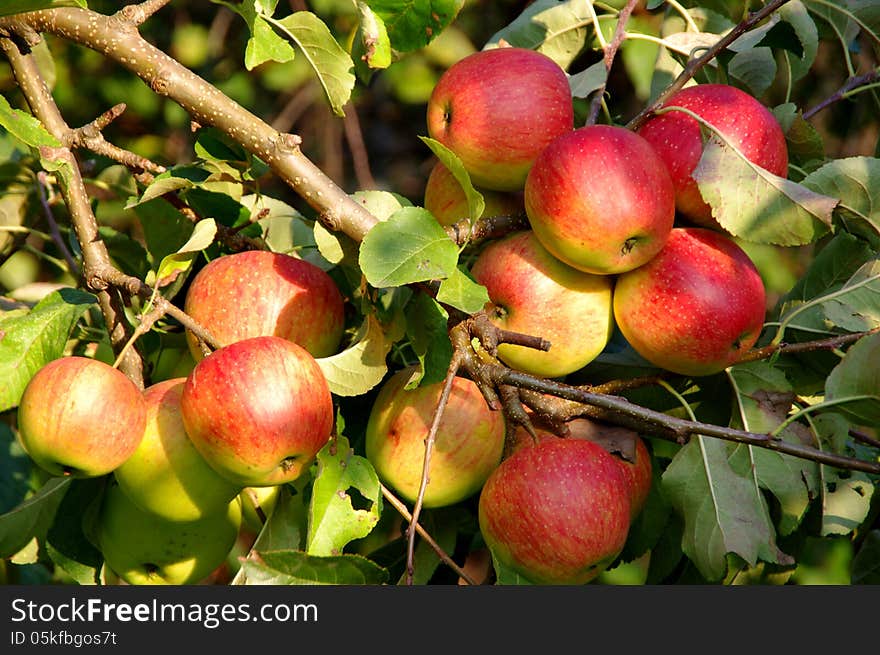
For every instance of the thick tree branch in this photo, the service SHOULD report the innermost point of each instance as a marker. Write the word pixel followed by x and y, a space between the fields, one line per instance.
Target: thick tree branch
pixel 117 38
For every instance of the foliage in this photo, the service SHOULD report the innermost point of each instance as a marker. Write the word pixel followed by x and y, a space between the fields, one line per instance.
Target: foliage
pixel 719 511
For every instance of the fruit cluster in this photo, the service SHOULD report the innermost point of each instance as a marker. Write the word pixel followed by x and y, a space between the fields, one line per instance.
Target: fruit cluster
pixel 619 236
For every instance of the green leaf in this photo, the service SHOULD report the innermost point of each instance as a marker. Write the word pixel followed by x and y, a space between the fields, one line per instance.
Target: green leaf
pixel 331 62
pixel 590 79
pixel 371 48
pixel 286 526
pixel 476 202
pixel 360 367
pixel 756 205
pixel 10 7
pixel 855 182
pixel 866 563
pixel 460 291
pixel 411 246
pixel 265 45
pixel 165 228
pixel 764 396
pixel 32 517
pixel 504 575
pixel 413 24
pixel 285 230
pixel 342 480
pixel 173 265
pixel 428 332
pixel 557 29
pixel 66 542
pixel 795 13
pixel 723 511
pixel 756 68
pixel 858 374
pixel 15 470
pixel 846 501
pixel 857 308
pixel 29 342
pixel 23 126
pixel 290 567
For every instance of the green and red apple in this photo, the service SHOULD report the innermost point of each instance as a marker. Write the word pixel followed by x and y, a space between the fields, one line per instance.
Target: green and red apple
pixel 497 109
pixel 468 445
pixel 166 475
pixel 556 511
pixel 678 139
pixel 446 200
pixel 600 199
pixel 261 293
pixel 533 292
pixel 696 307
pixel 80 417
pixel 144 549
pixel 258 410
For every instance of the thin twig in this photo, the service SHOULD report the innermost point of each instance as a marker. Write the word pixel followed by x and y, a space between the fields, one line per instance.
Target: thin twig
pixel 57 238
pixel 844 91
pixel 444 557
pixel 608 55
pixel 355 139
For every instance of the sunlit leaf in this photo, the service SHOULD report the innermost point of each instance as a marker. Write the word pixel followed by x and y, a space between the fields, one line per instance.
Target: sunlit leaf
pixel 858 374
pixel 265 45
pixel 413 24
pixel 476 202
pixel 290 567
pixel 361 366
pixel 173 265
pixel 342 477
pixel 25 127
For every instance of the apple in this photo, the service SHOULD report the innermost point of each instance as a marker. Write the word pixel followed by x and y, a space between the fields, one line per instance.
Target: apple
pixel 258 410
pixel 556 511
pixel 678 140
pixel 533 292
pixel 497 110
pixel 144 549
pixel 625 445
pixel 80 417
pixel 467 448
pixel 600 199
pixel 260 293
pixel 446 200
pixel 695 308
pixel 166 475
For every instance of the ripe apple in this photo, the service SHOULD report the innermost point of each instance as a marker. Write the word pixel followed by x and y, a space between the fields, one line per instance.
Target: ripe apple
pixel 260 293
pixel 258 410
pixel 80 417
pixel 144 549
pixel 742 119
pixel 166 475
pixel 445 198
pixel 637 469
pixel 556 511
pixel 467 448
pixel 533 292
pixel 600 199
pixel 696 307
pixel 497 109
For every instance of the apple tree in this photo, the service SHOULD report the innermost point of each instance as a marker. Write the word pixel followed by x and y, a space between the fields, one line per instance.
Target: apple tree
pixel 469 335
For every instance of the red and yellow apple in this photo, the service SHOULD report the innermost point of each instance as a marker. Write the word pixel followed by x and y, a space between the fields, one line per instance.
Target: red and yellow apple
pixel 696 307
pixel 446 200
pixel 678 140
pixel 600 199
pixel 467 448
pixel 497 109
pixel 80 417
pixel 556 511
pixel 533 292
pixel 258 410
pixel 259 293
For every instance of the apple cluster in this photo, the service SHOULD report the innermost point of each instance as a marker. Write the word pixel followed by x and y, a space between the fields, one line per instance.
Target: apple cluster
pixel 186 456
pixel 619 237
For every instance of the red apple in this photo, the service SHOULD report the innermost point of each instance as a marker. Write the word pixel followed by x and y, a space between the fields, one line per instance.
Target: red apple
pixel 80 417
pixel 534 293
pixel 627 447
pixel 467 448
pixel 260 293
pixel 497 110
pixel 742 119
pixel 258 410
pixel 166 475
pixel 600 199
pixel 695 308
pixel 446 200
pixel 557 511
